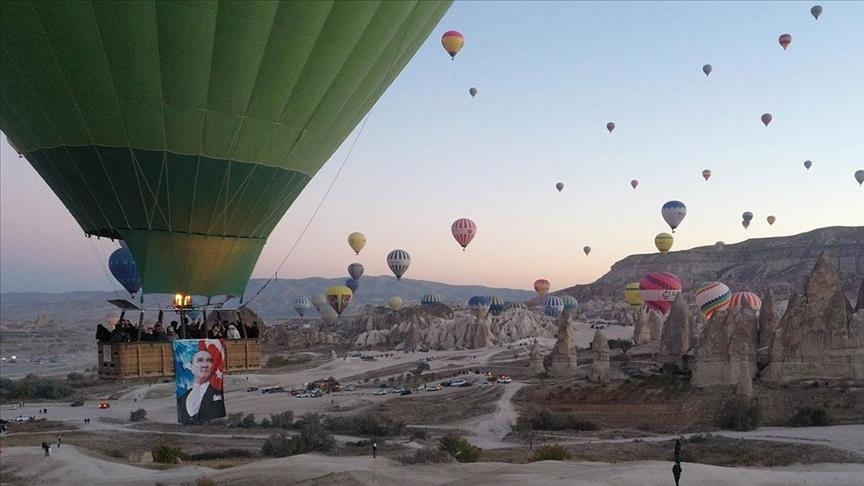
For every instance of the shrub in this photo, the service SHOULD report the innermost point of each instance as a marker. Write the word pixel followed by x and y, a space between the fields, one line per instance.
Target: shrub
pixel 459 448
pixel 234 419
pixel 205 481
pixel 426 456
pixel 418 434
pixel 137 415
pixel 739 414
pixel 283 420
pixel 623 344
pixel 220 454
pixel 811 417
pixel 551 453
pixel 166 454
pixel 248 421
pixel 697 438
pixel 368 425
pixel 312 437
pixel 279 445
pixel 545 420
pixel 116 453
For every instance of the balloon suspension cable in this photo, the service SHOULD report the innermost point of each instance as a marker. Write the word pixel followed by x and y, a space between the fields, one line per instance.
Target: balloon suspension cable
pixel 341 167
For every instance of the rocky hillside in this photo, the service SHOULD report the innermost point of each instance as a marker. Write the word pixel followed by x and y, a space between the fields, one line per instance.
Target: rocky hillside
pixel 781 264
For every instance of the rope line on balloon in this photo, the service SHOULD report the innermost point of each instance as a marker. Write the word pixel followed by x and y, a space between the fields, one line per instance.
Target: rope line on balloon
pixel 341 167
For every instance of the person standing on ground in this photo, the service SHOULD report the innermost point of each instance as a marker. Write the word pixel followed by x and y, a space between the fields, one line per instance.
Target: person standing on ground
pixel 59 441
pixel 676 469
pixel 374 450
pixel 45 447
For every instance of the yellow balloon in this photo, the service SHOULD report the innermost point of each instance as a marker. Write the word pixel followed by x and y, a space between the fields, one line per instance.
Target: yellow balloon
pixel 338 297
pixel 663 242
pixel 632 295
pixel 395 303
pixel 357 241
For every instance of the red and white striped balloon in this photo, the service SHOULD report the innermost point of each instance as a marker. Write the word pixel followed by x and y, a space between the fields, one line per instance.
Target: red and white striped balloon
pixel 739 298
pixel 464 230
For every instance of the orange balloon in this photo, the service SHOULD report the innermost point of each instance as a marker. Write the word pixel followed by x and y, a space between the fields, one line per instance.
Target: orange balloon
pixel 452 42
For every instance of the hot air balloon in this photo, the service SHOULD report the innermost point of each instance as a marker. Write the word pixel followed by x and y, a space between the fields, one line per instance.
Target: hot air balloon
pixel 222 112
pixel 707 69
pixel 338 297
pixel 452 42
pixel 712 297
pixel 357 241
pixel 464 231
pixel 785 40
pixel 319 301
pixel 541 286
pixel 559 186
pixel 570 303
pixel 395 303
pixel 496 305
pixel 553 306
pixel 673 213
pixel 430 299
pixel 719 246
pixel 632 296
pixel 472 92
pixel 634 183
pixel 747 216
pixel 749 299
pixel 353 284
pixel 515 305
pixel 302 305
pixel 745 224
pixel 398 261
pixel 808 164
pixel 586 249
pixel 355 271
pixel 659 289
pixel 771 220
pixel 610 126
pixel 478 301
pixel 664 242
pixel 766 118
pixel 123 268
pixel 859 176
pixel 706 174
pixel 816 11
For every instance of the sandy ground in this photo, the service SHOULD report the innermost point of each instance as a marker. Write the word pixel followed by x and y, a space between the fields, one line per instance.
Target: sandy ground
pixel 69 466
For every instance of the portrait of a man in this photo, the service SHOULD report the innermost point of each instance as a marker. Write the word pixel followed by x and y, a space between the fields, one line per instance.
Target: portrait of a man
pixel 199 367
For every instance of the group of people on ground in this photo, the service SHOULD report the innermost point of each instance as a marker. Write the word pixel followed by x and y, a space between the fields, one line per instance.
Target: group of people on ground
pixel 125 332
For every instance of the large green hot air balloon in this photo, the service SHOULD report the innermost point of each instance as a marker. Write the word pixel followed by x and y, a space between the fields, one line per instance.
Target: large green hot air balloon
pixel 187 129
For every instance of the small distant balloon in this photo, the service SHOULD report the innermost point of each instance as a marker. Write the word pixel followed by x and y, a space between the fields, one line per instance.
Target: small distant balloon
pixel 553 306
pixel 706 174
pixel 472 92
pixel 355 271
pixel 634 183
pixel 816 11
pixel 785 40
pixel 463 231
pixel 395 303
pixel 586 249
pixel 610 126
pixel 302 306
pixel 398 261
pixel 771 220
pixel 859 176
pixel 673 213
pixel 357 241
pixel 353 284
pixel 541 286
pixel 707 69
pixel 338 297
pixel 747 216
pixel 452 42
pixel 808 164
pixel 766 118
pixel 559 186
pixel 664 242
pixel 745 224
pixel 719 246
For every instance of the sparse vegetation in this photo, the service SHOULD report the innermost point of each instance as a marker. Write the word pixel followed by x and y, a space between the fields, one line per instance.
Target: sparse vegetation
pixel 622 344
pixel 811 417
pixel 218 454
pixel 366 425
pixel 546 420
pixel 312 437
pixel 279 361
pixel 553 452
pixel 739 414
pixel 138 415
pixel 426 456
pixel 458 447
pixel 166 454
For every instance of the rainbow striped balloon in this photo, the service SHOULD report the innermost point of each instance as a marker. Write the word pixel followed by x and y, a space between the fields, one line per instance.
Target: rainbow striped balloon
pixel 712 297
pixel 659 289
pixel 739 299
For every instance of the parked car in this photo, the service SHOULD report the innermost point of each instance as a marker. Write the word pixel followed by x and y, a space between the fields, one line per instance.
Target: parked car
pixel 397 390
pixel 104 404
pixel 405 392
pixel 380 392
pixel 316 394
pixel 349 388
pixel 77 404
pixel 272 389
pixel 433 388
pixel 303 395
pixel 504 379
pixel 25 418
pixel 459 382
pixel 252 388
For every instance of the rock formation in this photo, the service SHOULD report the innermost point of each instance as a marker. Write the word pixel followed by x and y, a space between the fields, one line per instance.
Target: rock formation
pixel 675 338
pixel 745 382
pixel 819 336
pixel 767 324
pixel 482 335
pixel 600 371
pixel 298 338
pixel 859 304
pixel 535 359
pixel 563 357
pixel 655 324
pixel 412 339
pixel 641 329
pixel 333 356
pixel 728 340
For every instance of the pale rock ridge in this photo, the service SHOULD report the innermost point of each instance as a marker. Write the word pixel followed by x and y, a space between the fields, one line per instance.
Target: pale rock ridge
pixel 600 371
pixel 655 324
pixel 535 359
pixel 767 323
pixel 563 360
pixel 728 340
pixel 482 335
pixel 641 328
pixel 819 337
pixel 675 337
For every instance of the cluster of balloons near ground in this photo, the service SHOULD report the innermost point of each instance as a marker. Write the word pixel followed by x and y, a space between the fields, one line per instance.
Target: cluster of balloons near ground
pixel 658 290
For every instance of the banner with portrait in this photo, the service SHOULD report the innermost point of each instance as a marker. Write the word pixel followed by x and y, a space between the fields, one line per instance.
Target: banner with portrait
pixel 199 367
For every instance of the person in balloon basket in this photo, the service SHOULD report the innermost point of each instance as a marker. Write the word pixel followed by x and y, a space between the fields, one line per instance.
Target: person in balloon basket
pixel 203 401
